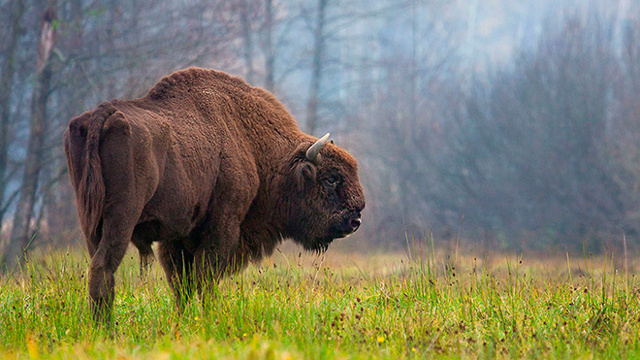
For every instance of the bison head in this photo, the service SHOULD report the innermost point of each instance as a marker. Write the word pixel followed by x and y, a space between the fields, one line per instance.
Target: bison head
pixel 323 194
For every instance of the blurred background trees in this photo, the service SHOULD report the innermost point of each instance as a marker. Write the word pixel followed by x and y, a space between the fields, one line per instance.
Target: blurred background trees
pixel 511 124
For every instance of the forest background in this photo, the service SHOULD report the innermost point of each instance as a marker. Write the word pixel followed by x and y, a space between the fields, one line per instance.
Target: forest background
pixel 495 124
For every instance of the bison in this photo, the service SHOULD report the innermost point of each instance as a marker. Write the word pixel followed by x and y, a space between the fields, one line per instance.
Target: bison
pixel 214 170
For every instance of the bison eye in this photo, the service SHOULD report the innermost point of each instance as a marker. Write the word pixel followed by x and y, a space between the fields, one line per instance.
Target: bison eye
pixel 332 181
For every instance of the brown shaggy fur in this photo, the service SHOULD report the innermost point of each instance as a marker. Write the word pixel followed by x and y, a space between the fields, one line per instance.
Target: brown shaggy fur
pixel 210 167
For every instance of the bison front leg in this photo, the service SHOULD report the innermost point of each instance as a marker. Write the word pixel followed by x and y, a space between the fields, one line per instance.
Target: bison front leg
pixel 210 266
pixel 214 259
pixel 235 190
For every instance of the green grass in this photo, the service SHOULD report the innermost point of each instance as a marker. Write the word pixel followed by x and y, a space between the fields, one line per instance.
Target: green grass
pixel 335 306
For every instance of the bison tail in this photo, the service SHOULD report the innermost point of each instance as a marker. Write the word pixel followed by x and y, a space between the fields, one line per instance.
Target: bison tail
pixel 90 187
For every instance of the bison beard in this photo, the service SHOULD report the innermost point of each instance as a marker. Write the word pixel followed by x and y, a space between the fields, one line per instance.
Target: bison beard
pixel 214 170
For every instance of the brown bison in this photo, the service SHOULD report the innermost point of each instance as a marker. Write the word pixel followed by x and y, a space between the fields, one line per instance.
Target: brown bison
pixel 214 170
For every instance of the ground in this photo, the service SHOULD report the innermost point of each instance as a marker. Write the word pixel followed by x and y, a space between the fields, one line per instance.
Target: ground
pixel 419 304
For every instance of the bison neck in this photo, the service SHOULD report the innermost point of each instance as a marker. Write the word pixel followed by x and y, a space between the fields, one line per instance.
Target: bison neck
pixel 265 225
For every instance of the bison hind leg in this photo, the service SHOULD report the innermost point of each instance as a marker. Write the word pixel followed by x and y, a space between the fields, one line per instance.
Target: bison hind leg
pixel 104 263
pixel 178 265
pixel 145 253
pixel 143 236
pixel 146 259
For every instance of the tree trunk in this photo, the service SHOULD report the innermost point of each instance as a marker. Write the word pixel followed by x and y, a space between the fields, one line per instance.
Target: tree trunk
pixel 20 235
pixel 268 44
pixel 6 89
pixel 110 86
pixel 409 123
pixel 316 76
pixel 247 40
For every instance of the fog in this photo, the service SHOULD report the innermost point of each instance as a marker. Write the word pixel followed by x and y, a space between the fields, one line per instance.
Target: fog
pixel 511 125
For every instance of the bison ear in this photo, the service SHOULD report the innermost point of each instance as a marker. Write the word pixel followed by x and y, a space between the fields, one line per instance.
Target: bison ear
pixel 304 173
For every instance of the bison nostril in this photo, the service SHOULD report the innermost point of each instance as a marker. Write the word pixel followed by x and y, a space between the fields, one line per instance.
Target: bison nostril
pixel 355 224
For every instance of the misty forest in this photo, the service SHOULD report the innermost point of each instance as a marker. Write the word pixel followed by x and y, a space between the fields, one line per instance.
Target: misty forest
pixel 505 125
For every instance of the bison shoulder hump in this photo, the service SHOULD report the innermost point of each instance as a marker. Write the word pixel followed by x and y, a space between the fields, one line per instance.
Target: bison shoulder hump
pixel 188 80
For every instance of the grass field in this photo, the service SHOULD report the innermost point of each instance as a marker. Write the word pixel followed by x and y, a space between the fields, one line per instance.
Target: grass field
pixel 335 306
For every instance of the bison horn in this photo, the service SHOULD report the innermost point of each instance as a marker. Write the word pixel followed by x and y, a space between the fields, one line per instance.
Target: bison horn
pixel 314 150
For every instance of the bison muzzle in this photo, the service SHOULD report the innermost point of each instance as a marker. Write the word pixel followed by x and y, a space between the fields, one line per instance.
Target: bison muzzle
pixel 214 170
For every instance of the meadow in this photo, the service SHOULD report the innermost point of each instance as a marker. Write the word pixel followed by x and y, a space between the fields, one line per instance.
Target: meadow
pixel 340 305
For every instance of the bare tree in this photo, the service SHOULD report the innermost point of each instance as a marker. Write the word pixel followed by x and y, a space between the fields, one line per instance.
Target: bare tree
pixel 317 66
pixel 20 233
pixel 269 49
pixel 247 37
pixel 532 151
pixel 404 112
pixel 6 91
